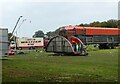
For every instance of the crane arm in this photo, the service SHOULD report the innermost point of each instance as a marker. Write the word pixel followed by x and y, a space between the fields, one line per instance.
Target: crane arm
pixel 15 26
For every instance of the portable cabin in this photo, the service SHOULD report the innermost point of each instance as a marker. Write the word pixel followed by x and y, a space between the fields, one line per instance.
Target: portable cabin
pixel 3 41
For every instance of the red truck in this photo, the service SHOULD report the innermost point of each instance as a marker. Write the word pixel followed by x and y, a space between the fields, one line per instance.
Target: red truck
pixel 106 37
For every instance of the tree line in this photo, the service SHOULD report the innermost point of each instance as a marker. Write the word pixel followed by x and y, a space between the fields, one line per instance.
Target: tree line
pixel 109 24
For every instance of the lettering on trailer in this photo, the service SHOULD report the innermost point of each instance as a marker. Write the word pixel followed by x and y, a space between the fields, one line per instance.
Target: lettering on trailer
pixel 30 42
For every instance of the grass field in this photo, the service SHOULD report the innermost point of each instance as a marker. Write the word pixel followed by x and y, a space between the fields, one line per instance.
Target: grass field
pixel 98 66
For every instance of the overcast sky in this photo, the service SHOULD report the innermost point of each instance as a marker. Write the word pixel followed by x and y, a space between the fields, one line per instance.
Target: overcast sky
pixel 48 16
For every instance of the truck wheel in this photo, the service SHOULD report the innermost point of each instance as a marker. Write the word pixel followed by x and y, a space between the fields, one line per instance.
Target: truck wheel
pixel 107 46
pixel 30 48
pixel 33 48
pixel 101 46
pixel 20 48
pixel 112 46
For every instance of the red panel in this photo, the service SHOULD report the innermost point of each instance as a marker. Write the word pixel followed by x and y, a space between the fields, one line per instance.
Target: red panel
pixel 101 31
pixel 69 28
pixel 94 30
pixel 79 30
pixel 74 40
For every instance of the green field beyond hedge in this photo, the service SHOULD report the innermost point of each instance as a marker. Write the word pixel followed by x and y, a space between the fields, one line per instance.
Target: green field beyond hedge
pixel 98 66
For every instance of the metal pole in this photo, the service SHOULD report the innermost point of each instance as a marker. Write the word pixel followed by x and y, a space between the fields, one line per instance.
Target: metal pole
pixel 16 24
pixel 15 42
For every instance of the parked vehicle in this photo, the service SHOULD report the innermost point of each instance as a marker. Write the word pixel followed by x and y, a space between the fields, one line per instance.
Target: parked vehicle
pixel 11 52
pixel 27 43
pixel 107 38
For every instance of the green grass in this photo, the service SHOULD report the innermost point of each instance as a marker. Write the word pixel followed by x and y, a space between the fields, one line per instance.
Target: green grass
pixel 98 66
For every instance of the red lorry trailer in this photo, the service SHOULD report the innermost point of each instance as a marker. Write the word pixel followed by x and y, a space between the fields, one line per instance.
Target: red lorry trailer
pixel 106 37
